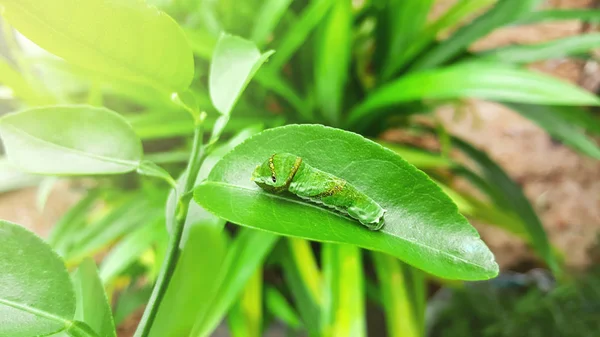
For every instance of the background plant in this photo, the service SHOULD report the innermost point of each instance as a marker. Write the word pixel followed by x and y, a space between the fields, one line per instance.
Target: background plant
pixel 139 97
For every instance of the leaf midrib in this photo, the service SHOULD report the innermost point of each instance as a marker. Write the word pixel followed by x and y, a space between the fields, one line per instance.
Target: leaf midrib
pixel 339 215
pixel 36 312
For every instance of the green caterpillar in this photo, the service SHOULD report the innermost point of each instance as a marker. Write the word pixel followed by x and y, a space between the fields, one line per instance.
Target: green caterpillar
pixel 287 172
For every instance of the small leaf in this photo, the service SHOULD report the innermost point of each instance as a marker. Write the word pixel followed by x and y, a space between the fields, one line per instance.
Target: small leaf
pixel 36 294
pixel 128 39
pixel 92 303
pixel 235 61
pixel 422 225
pixel 479 80
pixel 70 140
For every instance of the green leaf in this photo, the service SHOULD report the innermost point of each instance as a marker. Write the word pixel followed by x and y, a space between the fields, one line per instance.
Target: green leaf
pixel 279 307
pixel 92 304
pixel 332 60
pixel 36 294
pixel 150 169
pixel 245 316
pixel 70 140
pixel 128 39
pixel 243 258
pixel 422 226
pixel 343 312
pixel 556 49
pixel 478 80
pixel 451 18
pixel 127 217
pixel 267 19
pixel 194 282
pixel 512 196
pixel 395 292
pixel 558 122
pixel 304 279
pixel 129 301
pixel 588 14
pixel 129 249
pixel 418 157
pixel 504 12
pixel 297 35
pixel 400 22
pixel 235 61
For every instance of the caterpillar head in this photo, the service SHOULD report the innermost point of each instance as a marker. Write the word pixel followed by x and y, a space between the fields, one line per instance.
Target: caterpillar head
pixel 277 172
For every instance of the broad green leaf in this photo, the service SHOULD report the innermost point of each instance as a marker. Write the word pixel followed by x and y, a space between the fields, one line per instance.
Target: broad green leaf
pixel 129 249
pixel 297 35
pixel 504 12
pixel 267 19
pixel 400 22
pixel 332 60
pixel 70 140
pixel 454 16
pixel 422 225
pixel 194 282
pixel 556 49
pixel 558 122
pixel 36 294
pixel 245 316
pixel 92 304
pixel 128 39
pixel 478 80
pixel 235 61
pixel 244 256
pixel 279 307
pixel 303 277
pixel 343 312
pixel 510 194
pixel 395 292
pixel 587 14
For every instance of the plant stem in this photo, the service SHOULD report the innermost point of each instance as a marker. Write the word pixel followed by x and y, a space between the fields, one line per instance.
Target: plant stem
pixel 168 268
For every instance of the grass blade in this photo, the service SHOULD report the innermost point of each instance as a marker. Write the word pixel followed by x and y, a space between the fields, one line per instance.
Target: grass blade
pixel 558 122
pixel 504 12
pixel 332 60
pixel 568 46
pixel 479 80
pixel 245 317
pixel 343 312
pixel 267 19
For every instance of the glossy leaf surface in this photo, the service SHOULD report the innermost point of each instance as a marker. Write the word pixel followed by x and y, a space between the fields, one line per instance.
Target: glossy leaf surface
pixel 422 225
pixel 70 140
